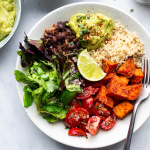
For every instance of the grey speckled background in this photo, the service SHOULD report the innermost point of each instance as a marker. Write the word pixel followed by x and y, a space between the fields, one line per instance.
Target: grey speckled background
pixel 17 132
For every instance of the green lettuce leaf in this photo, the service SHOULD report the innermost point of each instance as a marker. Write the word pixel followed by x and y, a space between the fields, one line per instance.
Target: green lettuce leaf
pixel 53 108
pixel 74 87
pixel 50 118
pixel 37 95
pixel 27 98
pixel 51 86
pixel 67 96
pixel 21 77
pixel 60 115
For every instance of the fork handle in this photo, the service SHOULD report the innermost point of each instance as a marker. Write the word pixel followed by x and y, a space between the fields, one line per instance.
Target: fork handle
pixel 131 127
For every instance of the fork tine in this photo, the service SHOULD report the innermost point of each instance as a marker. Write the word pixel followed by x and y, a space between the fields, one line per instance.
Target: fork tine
pixel 144 71
pixel 147 72
pixel 142 64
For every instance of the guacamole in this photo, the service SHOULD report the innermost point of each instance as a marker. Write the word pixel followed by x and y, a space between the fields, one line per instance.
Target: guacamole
pixel 7 17
pixel 92 30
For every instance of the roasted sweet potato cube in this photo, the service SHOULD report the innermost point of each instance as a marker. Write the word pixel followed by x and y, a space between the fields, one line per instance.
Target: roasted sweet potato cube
pixel 137 76
pixel 107 78
pixel 124 80
pixel 102 97
pixel 123 109
pixel 117 89
pixel 134 91
pixel 127 69
pixel 108 66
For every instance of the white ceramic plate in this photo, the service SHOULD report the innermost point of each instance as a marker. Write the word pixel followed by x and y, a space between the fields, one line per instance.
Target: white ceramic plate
pixel 57 130
pixel 17 19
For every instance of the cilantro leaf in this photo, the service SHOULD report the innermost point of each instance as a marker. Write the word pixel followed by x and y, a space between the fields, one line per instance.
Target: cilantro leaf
pixel 131 10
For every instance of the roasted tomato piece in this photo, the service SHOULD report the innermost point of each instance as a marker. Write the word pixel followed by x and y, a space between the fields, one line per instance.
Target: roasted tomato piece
pixel 100 109
pixel 83 114
pixel 109 122
pixel 95 90
pixel 83 126
pixel 88 91
pixel 95 84
pixel 72 119
pixel 88 104
pixel 95 113
pixel 73 105
pixel 77 132
pixel 93 125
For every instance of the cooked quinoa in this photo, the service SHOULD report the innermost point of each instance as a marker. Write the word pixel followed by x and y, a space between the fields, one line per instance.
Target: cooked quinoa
pixel 122 45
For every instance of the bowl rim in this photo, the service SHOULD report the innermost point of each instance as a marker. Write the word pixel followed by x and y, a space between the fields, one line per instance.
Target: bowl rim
pixel 18 61
pixel 16 23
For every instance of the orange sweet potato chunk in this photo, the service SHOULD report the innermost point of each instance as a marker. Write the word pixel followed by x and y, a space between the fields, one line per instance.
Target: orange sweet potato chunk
pixel 102 97
pixel 123 109
pixel 137 76
pixel 107 78
pixel 117 89
pixel 108 66
pixel 134 91
pixel 124 80
pixel 127 69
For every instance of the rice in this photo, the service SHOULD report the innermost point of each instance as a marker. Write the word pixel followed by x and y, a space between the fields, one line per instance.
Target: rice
pixel 123 44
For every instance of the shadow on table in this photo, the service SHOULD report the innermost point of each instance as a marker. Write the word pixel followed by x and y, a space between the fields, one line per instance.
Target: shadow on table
pixel 117 146
pixel 45 6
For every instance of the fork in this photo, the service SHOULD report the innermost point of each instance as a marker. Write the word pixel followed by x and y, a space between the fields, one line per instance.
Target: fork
pixel 143 95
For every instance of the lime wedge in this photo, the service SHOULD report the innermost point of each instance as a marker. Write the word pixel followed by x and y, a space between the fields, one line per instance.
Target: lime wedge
pixel 88 68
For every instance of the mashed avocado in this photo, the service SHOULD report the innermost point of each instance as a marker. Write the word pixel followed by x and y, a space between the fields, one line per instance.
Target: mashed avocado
pixel 92 30
pixel 7 17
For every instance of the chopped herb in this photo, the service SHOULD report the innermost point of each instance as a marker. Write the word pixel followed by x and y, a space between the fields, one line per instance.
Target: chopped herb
pixel 102 112
pixel 71 43
pixel 80 103
pixel 79 18
pixel 77 75
pixel 97 107
pixel 81 33
pixel 83 41
pixel 86 17
pixel 66 127
pixel 80 50
pixel 81 26
pixel 83 122
pixel 131 10
pixel 74 52
pixel 84 31
pixel 71 115
pixel 53 56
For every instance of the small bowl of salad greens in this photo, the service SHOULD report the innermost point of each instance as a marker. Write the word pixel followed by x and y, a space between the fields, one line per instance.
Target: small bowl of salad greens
pixel 53 70
pixel 9 19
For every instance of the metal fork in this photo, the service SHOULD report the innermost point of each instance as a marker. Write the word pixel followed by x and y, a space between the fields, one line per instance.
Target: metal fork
pixel 143 95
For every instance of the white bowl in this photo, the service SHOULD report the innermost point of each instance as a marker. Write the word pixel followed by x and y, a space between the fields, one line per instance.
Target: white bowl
pixel 57 130
pixel 17 19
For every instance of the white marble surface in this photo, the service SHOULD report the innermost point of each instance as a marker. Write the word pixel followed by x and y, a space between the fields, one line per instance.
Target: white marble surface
pixel 17 132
